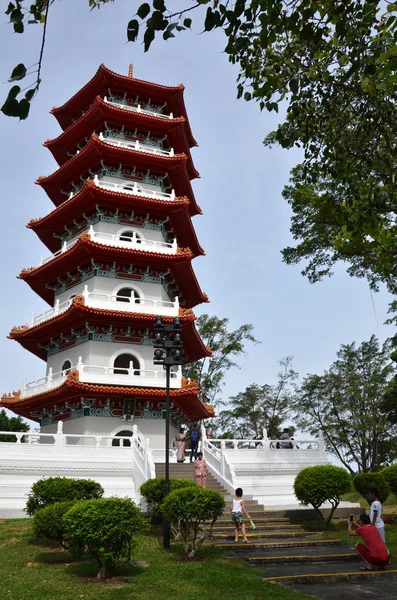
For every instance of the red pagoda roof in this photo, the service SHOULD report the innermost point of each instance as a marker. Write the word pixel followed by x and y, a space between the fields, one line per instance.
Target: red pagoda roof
pixel 96 150
pixel 78 314
pixel 104 79
pixel 101 113
pixel 186 398
pixel 91 195
pixel 84 249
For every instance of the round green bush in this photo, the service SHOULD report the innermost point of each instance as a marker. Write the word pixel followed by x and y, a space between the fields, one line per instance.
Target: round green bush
pixel 390 474
pixel 153 491
pixel 60 489
pixel 106 527
pixel 324 483
pixel 363 482
pixel 188 508
pixel 49 522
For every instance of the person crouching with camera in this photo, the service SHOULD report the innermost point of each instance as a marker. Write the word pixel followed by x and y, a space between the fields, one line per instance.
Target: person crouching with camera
pixel 374 553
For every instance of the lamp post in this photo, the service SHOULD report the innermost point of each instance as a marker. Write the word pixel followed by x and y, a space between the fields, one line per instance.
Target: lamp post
pixel 168 352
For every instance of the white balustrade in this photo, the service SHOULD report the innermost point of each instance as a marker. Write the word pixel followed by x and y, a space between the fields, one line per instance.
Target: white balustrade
pixel 131 304
pixel 64 248
pixel 138 109
pixel 135 242
pixel 51 312
pixel 265 444
pixel 101 375
pixel 135 145
pixel 133 188
pixel 218 463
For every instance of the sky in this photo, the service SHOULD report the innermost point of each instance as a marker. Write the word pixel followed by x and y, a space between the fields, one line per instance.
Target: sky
pixel 245 221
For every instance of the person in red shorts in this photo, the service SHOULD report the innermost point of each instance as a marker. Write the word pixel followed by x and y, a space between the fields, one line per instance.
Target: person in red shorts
pixel 374 553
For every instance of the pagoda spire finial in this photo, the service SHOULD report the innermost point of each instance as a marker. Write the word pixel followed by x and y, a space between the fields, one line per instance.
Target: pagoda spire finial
pixel 130 71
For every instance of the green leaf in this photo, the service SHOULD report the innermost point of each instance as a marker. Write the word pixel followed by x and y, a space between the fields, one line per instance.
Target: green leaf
pixel 132 30
pixel 143 10
pixel 24 107
pixel 159 5
pixel 18 27
pixel 391 8
pixel 10 8
pixel 29 94
pixel 343 60
pixel 148 38
pixel 210 20
pixel 294 85
pixel 18 73
pixel 247 96
pixel 187 23
pixel 168 34
pixel 10 107
pixel 14 91
pixel 16 16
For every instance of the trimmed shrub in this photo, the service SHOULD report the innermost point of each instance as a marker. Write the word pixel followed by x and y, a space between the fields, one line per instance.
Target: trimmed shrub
pixel 390 474
pixel 187 508
pixel 325 483
pixel 61 489
pixel 49 522
pixel 363 482
pixel 106 527
pixel 153 491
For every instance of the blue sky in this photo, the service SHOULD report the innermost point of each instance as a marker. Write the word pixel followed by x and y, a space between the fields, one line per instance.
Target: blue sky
pixel 245 221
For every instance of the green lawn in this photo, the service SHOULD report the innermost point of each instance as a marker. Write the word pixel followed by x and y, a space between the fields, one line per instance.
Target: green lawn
pixel 389 507
pixel 29 571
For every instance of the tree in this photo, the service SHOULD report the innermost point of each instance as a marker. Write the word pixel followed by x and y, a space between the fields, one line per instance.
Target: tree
pixel 363 482
pixel 226 346
pixel 260 407
pixel 344 405
pixel 11 424
pixel 324 483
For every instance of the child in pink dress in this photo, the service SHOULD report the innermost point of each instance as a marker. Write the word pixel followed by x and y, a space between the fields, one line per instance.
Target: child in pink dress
pixel 200 470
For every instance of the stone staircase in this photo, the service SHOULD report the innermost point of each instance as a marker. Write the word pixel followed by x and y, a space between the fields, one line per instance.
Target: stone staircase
pixel 309 563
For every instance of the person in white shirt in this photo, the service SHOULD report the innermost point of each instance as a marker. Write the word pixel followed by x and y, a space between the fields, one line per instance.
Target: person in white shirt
pixel 238 511
pixel 376 513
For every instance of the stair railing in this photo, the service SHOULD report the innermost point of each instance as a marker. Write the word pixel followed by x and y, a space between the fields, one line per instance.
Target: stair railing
pixel 218 463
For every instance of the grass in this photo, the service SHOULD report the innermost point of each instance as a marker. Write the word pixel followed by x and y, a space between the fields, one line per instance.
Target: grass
pixel 389 507
pixel 30 571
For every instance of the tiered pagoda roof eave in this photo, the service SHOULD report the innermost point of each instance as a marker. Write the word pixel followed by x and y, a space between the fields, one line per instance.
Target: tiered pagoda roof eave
pixel 105 78
pixel 179 265
pixel 185 398
pixel 97 151
pixel 101 112
pixel 78 314
pixel 90 195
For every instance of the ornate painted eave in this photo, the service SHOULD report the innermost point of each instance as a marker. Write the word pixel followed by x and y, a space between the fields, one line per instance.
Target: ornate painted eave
pixel 186 398
pixel 102 112
pixel 98 152
pixel 105 79
pixel 90 195
pixel 179 266
pixel 78 315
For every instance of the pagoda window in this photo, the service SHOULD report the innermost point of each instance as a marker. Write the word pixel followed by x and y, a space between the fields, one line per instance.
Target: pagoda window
pixel 125 443
pixel 128 295
pixel 129 236
pixel 66 367
pixel 124 362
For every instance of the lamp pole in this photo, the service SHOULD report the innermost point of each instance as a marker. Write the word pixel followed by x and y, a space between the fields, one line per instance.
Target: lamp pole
pixel 168 352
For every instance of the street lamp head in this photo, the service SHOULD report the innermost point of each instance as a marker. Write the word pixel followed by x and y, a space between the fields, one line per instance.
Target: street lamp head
pixel 158 321
pixel 158 354
pixel 177 321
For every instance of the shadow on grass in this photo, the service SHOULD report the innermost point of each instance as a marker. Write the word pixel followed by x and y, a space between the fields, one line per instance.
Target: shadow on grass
pixel 89 570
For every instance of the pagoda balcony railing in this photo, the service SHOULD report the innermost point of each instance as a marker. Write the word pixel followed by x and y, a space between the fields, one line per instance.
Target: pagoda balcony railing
pixel 99 375
pixel 144 306
pixel 118 241
pixel 135 242
pixel 138 108
pixel 135 145
pixel 133 188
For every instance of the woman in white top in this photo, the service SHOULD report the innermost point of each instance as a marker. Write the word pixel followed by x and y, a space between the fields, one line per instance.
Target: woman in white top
pixel 376 513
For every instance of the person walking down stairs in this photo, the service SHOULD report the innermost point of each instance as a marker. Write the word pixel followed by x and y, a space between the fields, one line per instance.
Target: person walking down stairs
pixel 238 511
pixel 181 445
pixel 200 470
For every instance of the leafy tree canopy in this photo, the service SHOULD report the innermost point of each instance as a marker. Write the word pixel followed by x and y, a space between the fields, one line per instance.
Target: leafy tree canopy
pixel 11 424
pixel 345 406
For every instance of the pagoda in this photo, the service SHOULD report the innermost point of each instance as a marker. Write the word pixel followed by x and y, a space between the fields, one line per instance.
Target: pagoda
pixel 122 243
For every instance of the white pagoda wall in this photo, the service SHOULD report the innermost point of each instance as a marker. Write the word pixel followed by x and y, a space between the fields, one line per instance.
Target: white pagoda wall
pixel 109 285
pixel 154 429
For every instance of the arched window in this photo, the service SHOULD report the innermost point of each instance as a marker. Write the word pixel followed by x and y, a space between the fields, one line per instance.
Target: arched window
pixel 122 442
pixel 127 295
pixel 66 367
pixel 127 236
pixel 122 364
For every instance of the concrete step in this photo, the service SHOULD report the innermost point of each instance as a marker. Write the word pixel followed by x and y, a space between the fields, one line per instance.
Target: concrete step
pixel 274 535
pixel 217 528
pixel 372 587
pixel 308 555
pixel 257 547
pixel 290 574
